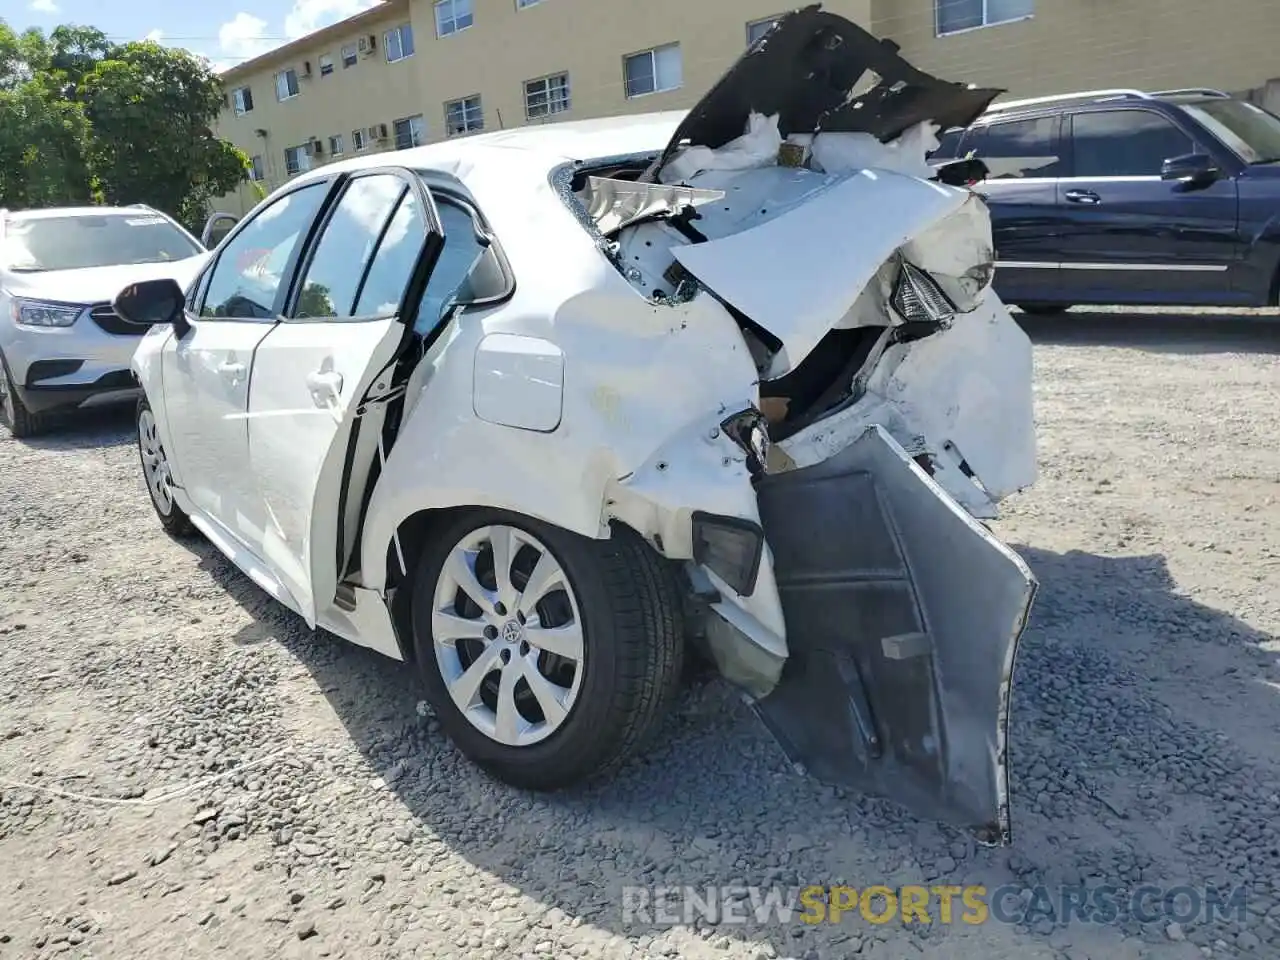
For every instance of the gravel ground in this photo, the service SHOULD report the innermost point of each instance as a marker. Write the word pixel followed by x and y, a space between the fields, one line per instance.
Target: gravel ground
pixel 230 782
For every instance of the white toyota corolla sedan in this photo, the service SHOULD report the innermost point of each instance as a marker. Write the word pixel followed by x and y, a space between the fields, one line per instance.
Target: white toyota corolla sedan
pixel 537 411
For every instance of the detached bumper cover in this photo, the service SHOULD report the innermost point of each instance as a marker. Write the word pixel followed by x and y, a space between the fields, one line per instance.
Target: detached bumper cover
pixel 903 616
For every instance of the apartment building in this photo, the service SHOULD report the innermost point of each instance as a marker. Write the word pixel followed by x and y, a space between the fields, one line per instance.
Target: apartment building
pixel 408 72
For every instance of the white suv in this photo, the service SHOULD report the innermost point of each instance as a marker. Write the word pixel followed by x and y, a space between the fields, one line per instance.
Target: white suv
pixel 61 344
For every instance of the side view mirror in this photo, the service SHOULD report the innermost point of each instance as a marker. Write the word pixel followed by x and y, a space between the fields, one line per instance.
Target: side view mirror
pixel 211 228
pixel 152 302
pixel 1193 169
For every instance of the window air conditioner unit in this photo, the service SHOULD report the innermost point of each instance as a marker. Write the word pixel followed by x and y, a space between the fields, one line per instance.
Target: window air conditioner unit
pixel 315 147
pixel 367 45
pixel 378 131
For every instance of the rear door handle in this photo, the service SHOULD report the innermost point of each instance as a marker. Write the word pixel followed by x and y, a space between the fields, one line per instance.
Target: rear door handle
pixel 325 387
pixel 1083 196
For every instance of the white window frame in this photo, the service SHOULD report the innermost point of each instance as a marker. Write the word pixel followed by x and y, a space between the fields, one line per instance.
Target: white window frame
pixel 453 17
pixel 767 22
pixel 986 19
pixel 354 52
pixel 466 109
pixel 237 101
pixel 545 83
pixel 416 137
pixel 358 140
pixel 526 4
pixel 326 60
pixel 652 54
pixel 398 32
pixel 336 148
pixel 296 88
pixel 302 157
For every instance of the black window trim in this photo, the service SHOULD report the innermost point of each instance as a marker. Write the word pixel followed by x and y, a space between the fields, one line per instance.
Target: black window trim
pixel 406 311
pixel 290 265
pixel 1069 136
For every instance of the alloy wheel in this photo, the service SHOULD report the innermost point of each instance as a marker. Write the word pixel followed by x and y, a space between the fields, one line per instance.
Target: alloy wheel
pixel 508 635
pixel 155 463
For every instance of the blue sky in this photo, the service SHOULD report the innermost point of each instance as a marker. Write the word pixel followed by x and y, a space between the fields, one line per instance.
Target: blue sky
pixel 226 31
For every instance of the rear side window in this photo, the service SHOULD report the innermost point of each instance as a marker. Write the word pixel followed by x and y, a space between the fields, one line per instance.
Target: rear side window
pixel 1031 139
pixel 947 144
pixel 1125 143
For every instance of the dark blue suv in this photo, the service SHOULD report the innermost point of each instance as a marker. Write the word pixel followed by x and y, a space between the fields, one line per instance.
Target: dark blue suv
pixel 1124 197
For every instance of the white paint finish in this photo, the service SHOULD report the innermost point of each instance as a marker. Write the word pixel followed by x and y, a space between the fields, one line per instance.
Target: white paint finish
pixel 519 382
pixel 368 625
pixel 829 257
pixel 970 385
pixel 206 397
pixel 307 381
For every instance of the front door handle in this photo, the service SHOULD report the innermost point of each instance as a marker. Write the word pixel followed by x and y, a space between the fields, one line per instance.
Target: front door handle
pixel 1087 197
pixel 325 387
pixel 232 371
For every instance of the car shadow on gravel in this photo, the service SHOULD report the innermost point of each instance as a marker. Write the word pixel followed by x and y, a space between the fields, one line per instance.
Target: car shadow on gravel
pixel 1120 776
pixel 107 426
pixel 1181 333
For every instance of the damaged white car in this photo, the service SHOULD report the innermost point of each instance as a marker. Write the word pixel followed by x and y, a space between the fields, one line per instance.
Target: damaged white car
pixel 538 410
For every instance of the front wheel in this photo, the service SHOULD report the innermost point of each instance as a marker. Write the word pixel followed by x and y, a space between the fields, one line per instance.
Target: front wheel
pixel 13 412
pixel 155 470
pixel 548 657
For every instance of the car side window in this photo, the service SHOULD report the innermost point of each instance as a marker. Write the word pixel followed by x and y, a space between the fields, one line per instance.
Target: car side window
pixel 394 262
pixel 461 251
pixel 1124 143
pixel 343 254
pixel 250 268
pixel 196 294
pixel 1021 139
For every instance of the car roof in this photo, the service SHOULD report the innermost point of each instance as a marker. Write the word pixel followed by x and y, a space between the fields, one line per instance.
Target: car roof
pixel 540 147
pixel 48 213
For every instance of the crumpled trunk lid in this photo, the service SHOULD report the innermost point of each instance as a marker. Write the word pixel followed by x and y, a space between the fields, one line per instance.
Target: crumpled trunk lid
pixel 821 72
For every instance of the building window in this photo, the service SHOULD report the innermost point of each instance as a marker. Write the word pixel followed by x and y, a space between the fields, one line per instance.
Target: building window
pixel 255 168
pixel 952 16
pixel 242 100
pixel 546 95
pixel 654 70
pixel 335 145
pixel 348 56
pixel 357 140
pixel 398 42
pixel 521 4
pixel 326 64
pixel 463 116
pixel 409 132
pixel 452 16
pixel 286 84
pixel 296 160
pixel 758 28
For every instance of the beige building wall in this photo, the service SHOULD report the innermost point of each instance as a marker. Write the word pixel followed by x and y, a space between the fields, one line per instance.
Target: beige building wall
pixel 506 46
pixel 1070 45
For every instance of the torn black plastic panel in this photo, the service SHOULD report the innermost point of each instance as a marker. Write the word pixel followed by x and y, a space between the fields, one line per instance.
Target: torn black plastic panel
pixel 903 616
pixel 805 70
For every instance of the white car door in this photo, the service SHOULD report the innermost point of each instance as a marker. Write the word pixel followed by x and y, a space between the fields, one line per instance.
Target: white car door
pixel 206 370
pixel 340 334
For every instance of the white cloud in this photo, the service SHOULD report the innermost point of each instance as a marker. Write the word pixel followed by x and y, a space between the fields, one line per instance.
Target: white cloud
pixel 155 36
pixel 246 36
pixel 48 6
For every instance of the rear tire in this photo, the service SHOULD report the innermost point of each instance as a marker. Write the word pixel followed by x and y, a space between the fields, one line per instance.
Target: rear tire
pixel 20 421
pixel 155 471
pixel 534 718
pixel 1044 309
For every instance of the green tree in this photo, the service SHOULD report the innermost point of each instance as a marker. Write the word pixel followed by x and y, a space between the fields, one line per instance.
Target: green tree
pixel 152 110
